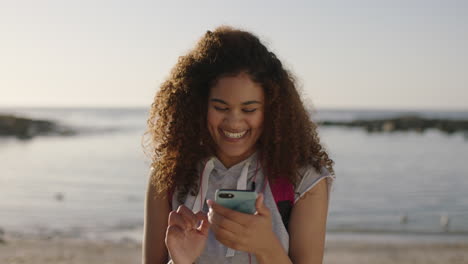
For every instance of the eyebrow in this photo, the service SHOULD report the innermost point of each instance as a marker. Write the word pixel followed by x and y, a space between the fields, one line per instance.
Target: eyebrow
pixel 244 103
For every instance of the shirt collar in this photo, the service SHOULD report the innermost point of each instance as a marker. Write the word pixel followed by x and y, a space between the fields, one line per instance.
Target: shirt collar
pixel 218 165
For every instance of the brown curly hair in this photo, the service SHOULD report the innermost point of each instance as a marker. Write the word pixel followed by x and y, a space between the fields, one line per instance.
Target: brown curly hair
pixel 177 125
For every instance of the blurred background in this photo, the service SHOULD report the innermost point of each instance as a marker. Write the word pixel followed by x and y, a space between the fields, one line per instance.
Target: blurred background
pixel 386 80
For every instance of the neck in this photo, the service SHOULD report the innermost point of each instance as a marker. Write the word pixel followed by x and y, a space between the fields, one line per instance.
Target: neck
pixel 229 161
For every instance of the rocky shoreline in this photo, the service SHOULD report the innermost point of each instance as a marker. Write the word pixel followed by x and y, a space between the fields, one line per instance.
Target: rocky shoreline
pixel 404 123
pixel 26 128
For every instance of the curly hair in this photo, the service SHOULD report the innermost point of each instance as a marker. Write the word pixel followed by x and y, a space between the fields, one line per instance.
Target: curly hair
pixel 177 123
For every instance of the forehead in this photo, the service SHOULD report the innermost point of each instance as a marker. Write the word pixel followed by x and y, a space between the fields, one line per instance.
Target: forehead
pixel 237 89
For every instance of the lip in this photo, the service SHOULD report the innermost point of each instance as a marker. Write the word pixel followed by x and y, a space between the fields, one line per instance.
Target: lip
pixel 233 139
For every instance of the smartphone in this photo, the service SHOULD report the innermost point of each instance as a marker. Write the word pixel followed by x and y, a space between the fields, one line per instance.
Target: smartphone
pixel 239 200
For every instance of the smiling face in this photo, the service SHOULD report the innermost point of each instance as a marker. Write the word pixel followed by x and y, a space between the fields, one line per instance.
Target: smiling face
pixel 235 117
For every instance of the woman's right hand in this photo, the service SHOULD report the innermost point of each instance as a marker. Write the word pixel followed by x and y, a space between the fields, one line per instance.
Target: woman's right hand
pixel 186 235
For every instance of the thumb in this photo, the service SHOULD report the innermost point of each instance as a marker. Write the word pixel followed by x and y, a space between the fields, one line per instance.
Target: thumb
pixel 204 225
pixel 260 205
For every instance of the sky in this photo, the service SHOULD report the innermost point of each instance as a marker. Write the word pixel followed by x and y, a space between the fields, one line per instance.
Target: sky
pixel 344 54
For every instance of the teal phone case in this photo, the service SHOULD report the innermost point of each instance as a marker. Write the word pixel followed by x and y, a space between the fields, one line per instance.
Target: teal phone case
pixel 241 201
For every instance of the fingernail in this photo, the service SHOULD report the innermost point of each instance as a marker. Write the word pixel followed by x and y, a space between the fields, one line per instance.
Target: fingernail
pixel 209 203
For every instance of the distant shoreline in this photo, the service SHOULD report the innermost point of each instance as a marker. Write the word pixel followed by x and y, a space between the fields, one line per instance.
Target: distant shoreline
pixel 27 128
pixel 21 127
pixel 403 123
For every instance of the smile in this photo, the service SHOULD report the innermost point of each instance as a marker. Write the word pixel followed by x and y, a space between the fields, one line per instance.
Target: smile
pixel 234 135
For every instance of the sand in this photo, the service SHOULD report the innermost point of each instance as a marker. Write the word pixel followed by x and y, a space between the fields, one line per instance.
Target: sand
pixel 69 250
pixel 41 251
pixel 382 253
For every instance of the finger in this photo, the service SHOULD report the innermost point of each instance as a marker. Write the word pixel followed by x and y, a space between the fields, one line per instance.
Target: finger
pixel 221 233
pixel 204 223
pixel 260 205
pixel 238 217
pixel 175 219
pixel 188 215
pixel 226 223
pixel 173 232
pixel 226 237
pixel 201 216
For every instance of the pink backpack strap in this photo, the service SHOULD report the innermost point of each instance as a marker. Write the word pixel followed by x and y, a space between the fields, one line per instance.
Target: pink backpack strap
pixel 283 193
pixel 282 190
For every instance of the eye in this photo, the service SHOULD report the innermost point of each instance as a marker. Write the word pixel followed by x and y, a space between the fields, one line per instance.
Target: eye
pixel 220 108
pixel 249 110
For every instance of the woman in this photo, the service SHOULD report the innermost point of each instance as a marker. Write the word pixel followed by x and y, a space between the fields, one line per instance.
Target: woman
pixel 230 117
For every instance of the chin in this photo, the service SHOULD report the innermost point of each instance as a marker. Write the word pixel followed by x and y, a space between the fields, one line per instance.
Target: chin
pixel 233 153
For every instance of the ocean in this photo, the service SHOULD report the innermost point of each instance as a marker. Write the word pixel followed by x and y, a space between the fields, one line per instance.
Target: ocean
pixel 93 184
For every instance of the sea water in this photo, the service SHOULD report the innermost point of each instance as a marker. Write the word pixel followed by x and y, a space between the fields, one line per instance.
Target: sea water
pixel 93 184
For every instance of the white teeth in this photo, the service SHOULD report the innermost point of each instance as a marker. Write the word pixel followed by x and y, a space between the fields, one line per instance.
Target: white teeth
pixel 234 135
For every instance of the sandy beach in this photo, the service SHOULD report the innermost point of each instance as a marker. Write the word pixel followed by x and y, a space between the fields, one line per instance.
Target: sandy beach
pixel 68 250
pixel 401 253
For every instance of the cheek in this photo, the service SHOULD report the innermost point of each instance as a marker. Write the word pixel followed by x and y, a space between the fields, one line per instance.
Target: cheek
pixel 213 119
pixel 256 122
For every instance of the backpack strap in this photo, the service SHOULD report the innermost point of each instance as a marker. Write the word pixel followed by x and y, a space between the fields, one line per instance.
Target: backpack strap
pixel 283 193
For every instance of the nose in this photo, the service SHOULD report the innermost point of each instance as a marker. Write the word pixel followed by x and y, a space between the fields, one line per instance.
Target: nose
pixel 234 121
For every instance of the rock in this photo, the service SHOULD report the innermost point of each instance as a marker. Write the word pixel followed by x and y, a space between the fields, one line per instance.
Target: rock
pixel 404 123
pixel 388 126
pixel 25 128
pixel 404 219
pixel 59 197
pixel 2 234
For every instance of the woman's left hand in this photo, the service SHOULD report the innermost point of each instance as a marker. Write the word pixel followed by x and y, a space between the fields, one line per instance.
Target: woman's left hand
pixel 244 232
